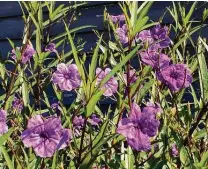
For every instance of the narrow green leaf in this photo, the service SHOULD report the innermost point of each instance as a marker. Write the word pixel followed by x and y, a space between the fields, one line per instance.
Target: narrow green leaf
pixel 7 158
pixel 188 16
pixel 93 101
pixel 139 25
pixel 76 58
pixel 72 31
pixel 145 89
pixel 145 10
pixel 202 71
pixel 184 157
pixel 94 61
pixel 54 162
pixel 204 159
pixel 11 43
pixel 200 134
pixel 185 37
pixel 5 136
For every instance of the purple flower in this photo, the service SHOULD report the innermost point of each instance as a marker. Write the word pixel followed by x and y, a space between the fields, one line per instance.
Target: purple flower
pixel 17 104
pixel 151 107
pixel 122 34
pixel 154 59
pixel 111 85
pixel 174 150
pixel 78 121
pixel 117 18
pixel 56 108
pixel 66 77
pixel 94 120
pixel 26 55
pixel 160 34
pixel 138 128
pixel 45 136
pixel 51 47
pixel 175 76
pixel 132 76
pixel 3 125
pixel 145 36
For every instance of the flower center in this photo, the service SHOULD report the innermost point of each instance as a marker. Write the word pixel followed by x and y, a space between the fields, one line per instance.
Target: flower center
pixel 174 75
pixel 44 134
pixel 66 76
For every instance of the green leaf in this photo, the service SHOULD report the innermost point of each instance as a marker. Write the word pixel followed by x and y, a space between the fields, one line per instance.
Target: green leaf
pixel 139 25
pixel 143 12
pixel 94 61
pixel 185 37
pixel 11 43
pixel 133 11
pixel 145 89
pixel 188 16
pixel 204 159
pixel 54 162
pixel 93 101
pixel 7 158
pixel 203 75
pixel 5 136
pixel 200 134
pixel 72 31
pixel 184 157
pixel 25 90
pixel 76 58
pixel 56 11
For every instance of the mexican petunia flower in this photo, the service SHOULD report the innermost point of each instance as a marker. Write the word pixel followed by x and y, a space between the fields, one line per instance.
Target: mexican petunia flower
pixel 45 135
pixel 66 77
pixel 78 121
pixel 151 107
pixel 145 36
pixel 132 76
pixel 117 18
pixel 78 124
pixel 27 54
pixel 51 47
pixel 94 120
pixel 111 85
pixel 174 150
pixel 122 34
pixel 175 76
pixel 3 125
pixel 138 128
pixel 154 59
pixel 160 35
pixel 17 104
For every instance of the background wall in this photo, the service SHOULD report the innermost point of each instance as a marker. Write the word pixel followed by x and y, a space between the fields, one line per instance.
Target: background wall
pixel 11 23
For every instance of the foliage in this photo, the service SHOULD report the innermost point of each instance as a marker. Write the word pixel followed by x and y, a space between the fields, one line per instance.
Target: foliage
pixel 96 143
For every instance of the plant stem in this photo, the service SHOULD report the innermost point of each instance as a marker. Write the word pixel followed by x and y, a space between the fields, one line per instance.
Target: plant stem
pixel 194 126
pixel 81 143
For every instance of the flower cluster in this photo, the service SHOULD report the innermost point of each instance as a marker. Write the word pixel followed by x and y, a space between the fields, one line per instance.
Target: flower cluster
pixel 139 127
pixel 51 47
pixel 175 76
pixel 117 18
pixel 27 54
pixel 17 103
pixel 45 135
